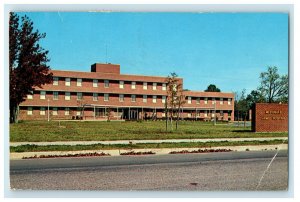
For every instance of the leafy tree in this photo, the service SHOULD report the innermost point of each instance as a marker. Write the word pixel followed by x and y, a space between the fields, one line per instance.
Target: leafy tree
pixel 253 98
pixel 273 87
pixel 212 88
pixel 27 61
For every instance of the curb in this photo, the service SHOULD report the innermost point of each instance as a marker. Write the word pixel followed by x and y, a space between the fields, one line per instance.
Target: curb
pixel 118 152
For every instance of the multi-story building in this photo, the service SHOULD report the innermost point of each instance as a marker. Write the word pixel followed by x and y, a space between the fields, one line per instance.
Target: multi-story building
pixel 106 93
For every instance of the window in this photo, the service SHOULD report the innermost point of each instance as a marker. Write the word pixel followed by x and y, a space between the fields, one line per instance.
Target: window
pixel 121 84
pixel 145 85
pixel 205 100
pixel 78 112
pixel 67 96
pixel 55 81
pixel 229 101
pixel 54 111
pixel 42 111
pixel 198 100
pixel 133 83
pixel 154 86
pixel 154 98
pixel 79 82
pixel 144 98
pixel 68 81
pixel 213 113
pixel 175 87
pixel 30 95
pixel 229 113
pixel 106 83
pixel 205 113
pixel 95 96
pixel 55 95
pixel 163 99
pixel 189 115
pixel 29 111
pixel 67 111
pixel 133 98
pixel 121 98
pixel 221 113
pixel 106 97
pixel 95 83
pixel 43 95
pixel 164 86
pixel 189 100
pixel 79 96
pixel 163 114
pixel 213 100
pixel 221 101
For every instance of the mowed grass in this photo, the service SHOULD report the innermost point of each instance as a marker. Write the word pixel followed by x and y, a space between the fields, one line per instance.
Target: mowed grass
pixel 42 131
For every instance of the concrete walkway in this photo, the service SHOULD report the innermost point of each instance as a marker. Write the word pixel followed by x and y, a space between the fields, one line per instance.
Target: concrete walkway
pixel 14 144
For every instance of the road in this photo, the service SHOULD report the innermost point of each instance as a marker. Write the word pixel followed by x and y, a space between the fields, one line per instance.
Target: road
pixel 214 171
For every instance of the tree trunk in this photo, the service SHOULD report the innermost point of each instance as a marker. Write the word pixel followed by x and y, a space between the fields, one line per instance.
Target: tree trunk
pixel 14 112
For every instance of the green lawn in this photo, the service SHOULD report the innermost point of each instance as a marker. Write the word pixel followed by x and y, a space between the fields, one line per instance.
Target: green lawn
pixel 35 148
pixel 40 131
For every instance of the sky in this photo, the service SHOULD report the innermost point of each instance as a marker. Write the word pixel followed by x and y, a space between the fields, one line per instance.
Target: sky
pixel 229 50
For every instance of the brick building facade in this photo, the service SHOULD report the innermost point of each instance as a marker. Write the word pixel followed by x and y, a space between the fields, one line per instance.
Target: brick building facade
pixel 105 92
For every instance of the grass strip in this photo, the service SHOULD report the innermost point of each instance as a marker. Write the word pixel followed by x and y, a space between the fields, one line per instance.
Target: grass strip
pixel 36 148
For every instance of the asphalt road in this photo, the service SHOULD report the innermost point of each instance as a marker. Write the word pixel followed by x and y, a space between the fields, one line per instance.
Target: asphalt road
pixel 181 172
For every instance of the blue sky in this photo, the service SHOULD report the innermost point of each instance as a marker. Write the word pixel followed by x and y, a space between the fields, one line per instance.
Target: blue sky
pixel 226 49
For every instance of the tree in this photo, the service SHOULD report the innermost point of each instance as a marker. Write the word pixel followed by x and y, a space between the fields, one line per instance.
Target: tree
pixel 27 62
pixel 253 98
pixel 212 88
pixel 174 100
pixel 273 87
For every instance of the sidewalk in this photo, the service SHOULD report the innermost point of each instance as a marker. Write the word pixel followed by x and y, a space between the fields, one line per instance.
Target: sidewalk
pixel 14 144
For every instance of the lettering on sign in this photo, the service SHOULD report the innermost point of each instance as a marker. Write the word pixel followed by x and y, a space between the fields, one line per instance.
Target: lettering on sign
pixel 273 112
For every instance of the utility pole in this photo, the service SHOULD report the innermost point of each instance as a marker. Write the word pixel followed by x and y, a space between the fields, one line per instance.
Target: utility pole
pixel 48 111
pixel 215 114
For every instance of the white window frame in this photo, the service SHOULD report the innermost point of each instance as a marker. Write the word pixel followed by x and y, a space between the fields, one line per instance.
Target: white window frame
pixel 205 100
pixel 95 83
pixel 145 98
pixel 189 115
pixel 55 97
pixel 205 113
pixel 189 100
pixel 154 86
pixel 79 82
pixel 106 97
pixel 67 96
pixel 221 101
pixel 106 83
pixel 145 85
pixel 213 112
pixel 67 111
pixel 133 98
pixel 154 98
pixel 67 81
pixel 55 81
pixel 79 95
pixel 213 100
pixel 42 111
pixel 95 96
pixel 164 86
pixel 121 97
pixel 163 99
pixel 163 114
pixel 121 84
pixel 42 95
pixel 54 111
pixel 78 112
pixel 133 85
pixel 229 101
pixel 30 95
pixel 29 111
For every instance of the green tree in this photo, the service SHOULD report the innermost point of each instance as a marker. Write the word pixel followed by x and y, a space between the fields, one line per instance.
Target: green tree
pixel 212 88
pixel 27 62
pixel 273 87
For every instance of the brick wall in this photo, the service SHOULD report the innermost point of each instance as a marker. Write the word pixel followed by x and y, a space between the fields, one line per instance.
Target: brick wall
pixel 270 117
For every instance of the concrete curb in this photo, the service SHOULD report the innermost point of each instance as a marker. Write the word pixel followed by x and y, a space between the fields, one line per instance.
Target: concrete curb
pixel 14 144
pixel 115 152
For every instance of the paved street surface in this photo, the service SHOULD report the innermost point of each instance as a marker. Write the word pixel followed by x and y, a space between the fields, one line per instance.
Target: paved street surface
pixel 214 171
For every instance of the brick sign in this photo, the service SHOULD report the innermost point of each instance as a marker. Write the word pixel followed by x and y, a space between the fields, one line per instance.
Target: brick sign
pixel 270 117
